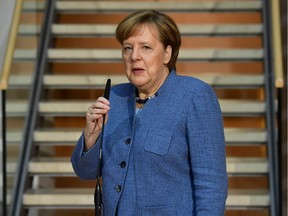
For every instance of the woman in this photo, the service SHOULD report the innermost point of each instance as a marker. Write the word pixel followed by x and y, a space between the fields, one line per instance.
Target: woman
pixel 164 150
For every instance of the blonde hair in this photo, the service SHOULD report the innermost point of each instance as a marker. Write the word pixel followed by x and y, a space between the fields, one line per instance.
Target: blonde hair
pixel 167 29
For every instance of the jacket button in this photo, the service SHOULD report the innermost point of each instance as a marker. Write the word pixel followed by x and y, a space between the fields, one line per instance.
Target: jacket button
pixel 123 164
pixel 128 141
pixel 118 188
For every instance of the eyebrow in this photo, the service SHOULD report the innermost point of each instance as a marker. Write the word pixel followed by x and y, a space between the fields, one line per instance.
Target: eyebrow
pixel 141 43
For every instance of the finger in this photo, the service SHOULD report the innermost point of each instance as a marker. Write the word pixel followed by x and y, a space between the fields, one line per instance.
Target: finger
pixel 99 105
pixel 103 100
pixel 94 117
pixel 100 111
pixel 95 114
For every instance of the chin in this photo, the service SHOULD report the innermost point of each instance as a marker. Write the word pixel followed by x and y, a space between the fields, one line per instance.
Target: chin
pixel 137 83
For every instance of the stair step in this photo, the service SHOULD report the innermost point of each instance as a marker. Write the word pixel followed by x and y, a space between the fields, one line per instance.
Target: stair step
pixel 245 107
pixel 101 6
pixel 245 135
pixel 109 29
pixel 20 81
pixel 33 6
pixel 235 165
pixel 62 136
pixel 115 54
pixel 11 165
pixel 50 165
pixel 245 198
pixel 228 107
pixel 184 54
pixel 86 81
pixel 98 81
pixel 79 108
pixel 30 29
pixel 16 107
pixel 14 136
pixel 232 135
pixel 84 197
pixel 25 54
pixel 57 135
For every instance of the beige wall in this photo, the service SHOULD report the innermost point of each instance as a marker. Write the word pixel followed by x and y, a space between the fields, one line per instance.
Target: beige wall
pixel 6 11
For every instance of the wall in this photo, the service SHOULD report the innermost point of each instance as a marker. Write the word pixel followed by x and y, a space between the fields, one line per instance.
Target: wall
pixel 6 11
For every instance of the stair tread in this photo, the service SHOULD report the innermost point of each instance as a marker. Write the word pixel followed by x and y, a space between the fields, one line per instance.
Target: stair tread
pixel 91 191
pixel 11 165
pixel 180 6
pixel 99 80
pixel 33 6
pixel 74 107
pixel 25 54
pixel 247 165
pixel 14 136
pixel 115 54
pixel 29 29
pixel 88 81
pixel 227 106
pixel 109 29
pixel 16 106
pixel 68 135
pixel 78 197
pixel 184 54
pixel 71 135
pixel 235 165
pixel 18 81
pixel 244 198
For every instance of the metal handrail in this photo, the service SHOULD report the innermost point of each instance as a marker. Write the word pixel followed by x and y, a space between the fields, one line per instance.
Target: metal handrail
pixel 269 65
pixel 277 54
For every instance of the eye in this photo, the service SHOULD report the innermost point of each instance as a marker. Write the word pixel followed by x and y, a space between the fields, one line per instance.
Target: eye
pixel 146 47
pixel 127 49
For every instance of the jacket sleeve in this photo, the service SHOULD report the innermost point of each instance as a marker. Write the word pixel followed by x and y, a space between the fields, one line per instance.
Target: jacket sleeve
pixel 207 152
pixel 85 164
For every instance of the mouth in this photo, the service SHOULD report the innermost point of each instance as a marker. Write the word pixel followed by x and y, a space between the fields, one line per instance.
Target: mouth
pixel 137 70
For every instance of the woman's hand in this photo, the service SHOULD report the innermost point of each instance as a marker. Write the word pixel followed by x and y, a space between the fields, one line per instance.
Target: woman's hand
pixel 94 121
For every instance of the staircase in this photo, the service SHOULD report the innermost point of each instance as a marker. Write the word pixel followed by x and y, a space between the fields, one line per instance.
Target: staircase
pixel 222 44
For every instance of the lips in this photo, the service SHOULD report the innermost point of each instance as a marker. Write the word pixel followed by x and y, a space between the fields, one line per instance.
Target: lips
pixel 137 70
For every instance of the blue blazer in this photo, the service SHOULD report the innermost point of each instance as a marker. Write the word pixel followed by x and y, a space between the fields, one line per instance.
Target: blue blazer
pixel 169 159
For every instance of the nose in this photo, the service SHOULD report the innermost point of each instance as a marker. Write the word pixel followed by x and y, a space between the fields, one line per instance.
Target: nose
pixel 135 55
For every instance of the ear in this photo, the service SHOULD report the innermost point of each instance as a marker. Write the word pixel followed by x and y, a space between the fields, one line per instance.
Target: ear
pixel 168 54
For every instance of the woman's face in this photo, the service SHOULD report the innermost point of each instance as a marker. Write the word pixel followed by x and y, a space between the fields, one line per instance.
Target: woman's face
pixel 144 58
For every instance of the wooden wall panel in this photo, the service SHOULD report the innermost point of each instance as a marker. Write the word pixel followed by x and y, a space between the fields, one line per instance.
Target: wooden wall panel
pixel 187 42
pixel 31 18
pixel 27 42
pixel 180 18
pixel 184 68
